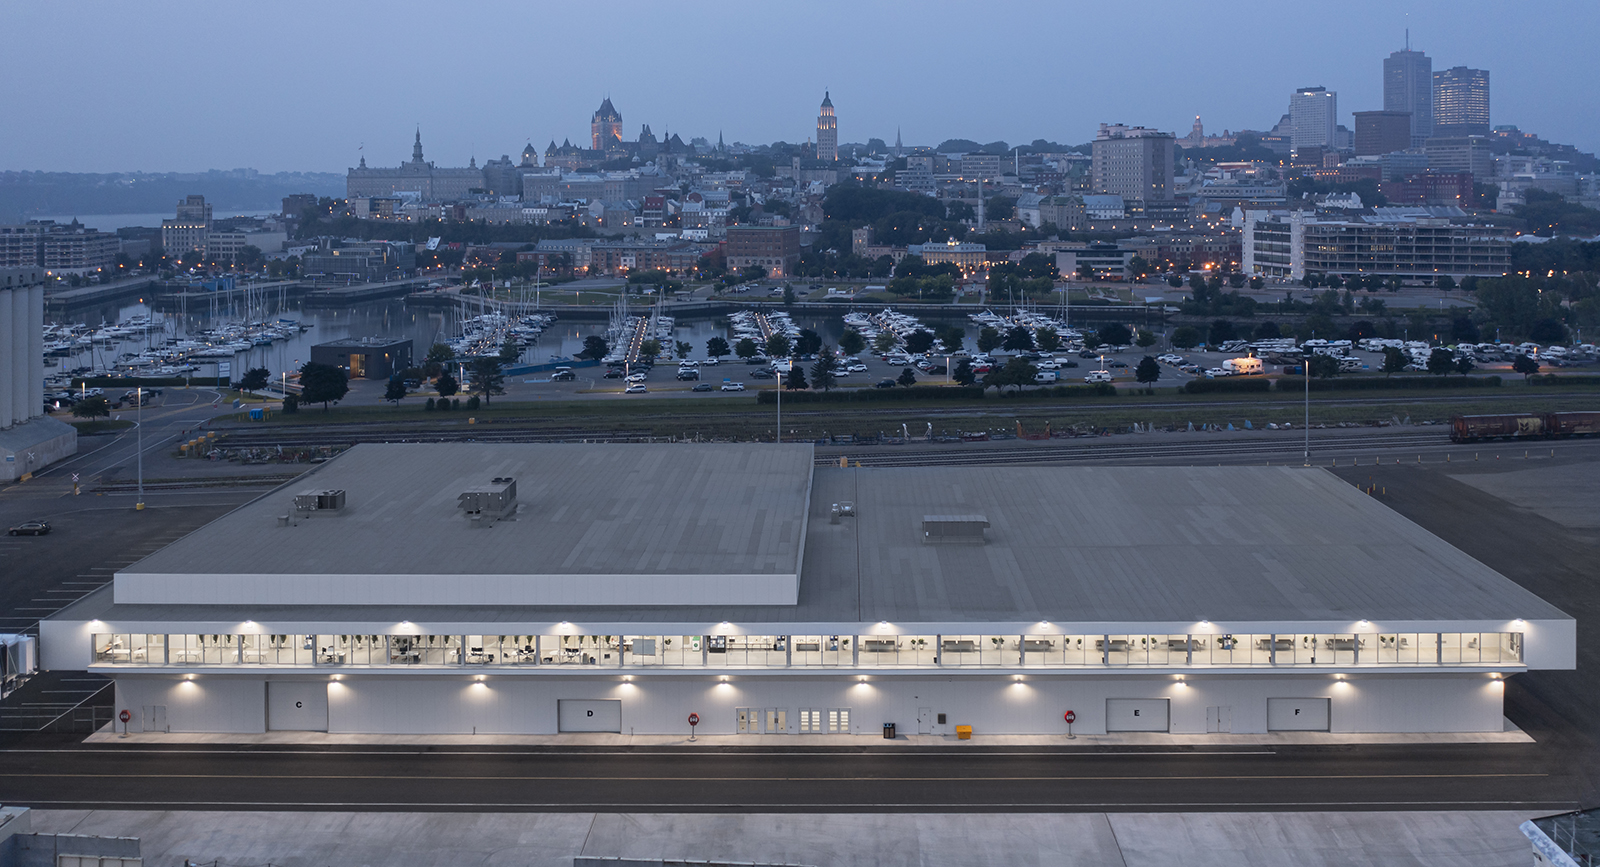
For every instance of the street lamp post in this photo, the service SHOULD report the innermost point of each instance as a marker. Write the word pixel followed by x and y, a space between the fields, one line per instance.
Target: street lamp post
pixel 1305 369
pixel 139 446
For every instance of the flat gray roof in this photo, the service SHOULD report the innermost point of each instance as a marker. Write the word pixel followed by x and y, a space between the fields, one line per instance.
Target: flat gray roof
pixel 1065 544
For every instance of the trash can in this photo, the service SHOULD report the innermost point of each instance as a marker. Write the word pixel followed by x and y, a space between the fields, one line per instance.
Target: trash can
pixel 888 731
pixel 963 733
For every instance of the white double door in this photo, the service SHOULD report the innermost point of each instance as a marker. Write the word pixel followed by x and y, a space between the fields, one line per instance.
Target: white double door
pixel 762 720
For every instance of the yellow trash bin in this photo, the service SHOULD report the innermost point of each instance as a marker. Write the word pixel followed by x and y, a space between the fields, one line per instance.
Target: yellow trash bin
pixel 963 733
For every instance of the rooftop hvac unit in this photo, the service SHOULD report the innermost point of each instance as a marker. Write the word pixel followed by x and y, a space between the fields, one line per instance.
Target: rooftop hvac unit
pixel 485 504
pixel 319 501
pixel 966 529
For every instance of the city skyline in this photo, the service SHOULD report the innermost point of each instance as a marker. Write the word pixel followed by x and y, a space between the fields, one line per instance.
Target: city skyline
pixel 260 96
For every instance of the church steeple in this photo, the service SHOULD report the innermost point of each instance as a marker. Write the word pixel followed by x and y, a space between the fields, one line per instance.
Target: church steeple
pixel 897 147
pixel 416 148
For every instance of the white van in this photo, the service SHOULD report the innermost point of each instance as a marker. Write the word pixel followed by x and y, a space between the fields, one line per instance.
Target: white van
pixel 1044 376
pixel 1098 376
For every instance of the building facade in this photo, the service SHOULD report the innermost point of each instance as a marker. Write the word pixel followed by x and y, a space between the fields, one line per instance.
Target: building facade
pixel 1382 132
pixel 418 176
pixel 1408 245
pixel 1460 102
pixel 769 596
pixel 1408 87
pixel 1132 162
pixel 827 132
pixel 29 439
pixel 1313 115
pixel 775 248
pixel 1462 154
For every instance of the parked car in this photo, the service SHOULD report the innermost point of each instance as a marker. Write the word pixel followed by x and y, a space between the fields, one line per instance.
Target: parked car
pixel 30 528
pixel 703 386
pixel 636 377
pixel 763 374
pixel 688 375
pixel 733 386
pixel 615 373
pixel 858 367
pixel 563 376
pixel 883 383
pixel 636 388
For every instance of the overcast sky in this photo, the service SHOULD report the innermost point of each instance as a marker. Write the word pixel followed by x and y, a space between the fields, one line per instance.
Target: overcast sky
pixel 300 86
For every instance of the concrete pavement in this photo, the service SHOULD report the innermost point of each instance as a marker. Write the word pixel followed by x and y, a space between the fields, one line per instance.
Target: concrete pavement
pixel 308 839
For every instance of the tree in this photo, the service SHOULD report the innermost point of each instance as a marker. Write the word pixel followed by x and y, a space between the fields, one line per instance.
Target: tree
pixel 1186 337
pixel 441 353
pixel 1548 330
pixel 682 348
pixel 487 378
pixel 952 336
pixel 594 346
pixel 851 342
pixel 796 380
pixel 822 375
pixel 1092 340
pixel 1221 331
pixel 1524 365
pixel 716 347
pixel 92 407
pixel 1236 280
pixel 906 378
pixel 788 295
pixel 1441 361
pixel 446 385
pixel 810 342
pixel 1138 267
pixel 778 345
pixel 963 373
pixel 746 348
pixel 1267 331
pixel 1446 282
pixel 396 390
pixel 884 343
pixel 1323 366
pixel 1148 371
pixel 1018 339
pixel 1018 371
pixel 255 378
pixel 988 339
pixel 918 342
pixel 1464 364
pixel 291 404
pixel 322 383
pixel 1115 334
pixel 1256 283
pixel 1394 361
pixel 1175 281
pixel 650 350
pixel 1144 339
pixel 510 351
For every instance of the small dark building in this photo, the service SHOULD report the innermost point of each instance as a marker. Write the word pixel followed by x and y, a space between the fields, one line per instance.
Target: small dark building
pixel 365 357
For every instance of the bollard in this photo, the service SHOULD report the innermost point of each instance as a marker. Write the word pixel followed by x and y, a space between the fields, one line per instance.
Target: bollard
pixel 1525 454
pixel 1419 459
pixel 1447 457
pixel 1385 490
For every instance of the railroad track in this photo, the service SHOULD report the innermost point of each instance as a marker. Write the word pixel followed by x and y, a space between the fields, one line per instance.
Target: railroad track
pixel 1249 446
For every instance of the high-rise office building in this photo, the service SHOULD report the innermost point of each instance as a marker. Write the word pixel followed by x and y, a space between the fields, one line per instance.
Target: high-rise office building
pixel 1132 162
pixel 1460 102
pixel 1313 114
pixel 1382 132
pixel 827 131
pixel 1408 86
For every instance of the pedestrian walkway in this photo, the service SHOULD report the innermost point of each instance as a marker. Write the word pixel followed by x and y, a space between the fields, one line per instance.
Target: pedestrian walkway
pixel 1511 735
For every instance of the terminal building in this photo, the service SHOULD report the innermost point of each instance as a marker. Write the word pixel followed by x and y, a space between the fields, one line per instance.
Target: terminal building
pixel 543 588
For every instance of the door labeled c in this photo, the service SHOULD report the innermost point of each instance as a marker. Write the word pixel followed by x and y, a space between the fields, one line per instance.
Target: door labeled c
pixel 589 715
pixel 297 707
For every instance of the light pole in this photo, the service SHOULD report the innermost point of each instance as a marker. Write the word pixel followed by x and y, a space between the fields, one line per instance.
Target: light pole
pixel 1306 370
pixel 139 446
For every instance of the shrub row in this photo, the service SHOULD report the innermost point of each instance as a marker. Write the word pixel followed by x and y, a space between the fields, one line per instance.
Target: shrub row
pixel 1230 385
pixel 1552 379
pixel 1099 389
pixel 1363 383
pixel 915 392
pixel 446 404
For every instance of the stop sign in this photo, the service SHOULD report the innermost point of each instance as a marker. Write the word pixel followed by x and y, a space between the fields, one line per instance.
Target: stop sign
pixel 694 719
pixel 125 716
pixel 1070 717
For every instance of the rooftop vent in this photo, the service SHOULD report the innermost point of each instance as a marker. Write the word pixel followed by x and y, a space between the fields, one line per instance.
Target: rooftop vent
pixel 967 529
pixel 313 501
pixel 485 504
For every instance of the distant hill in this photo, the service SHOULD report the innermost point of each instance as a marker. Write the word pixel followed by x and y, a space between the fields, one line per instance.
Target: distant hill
pixel 30 194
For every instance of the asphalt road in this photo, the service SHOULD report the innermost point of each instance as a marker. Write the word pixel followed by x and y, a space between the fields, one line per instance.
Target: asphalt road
pixel 688 779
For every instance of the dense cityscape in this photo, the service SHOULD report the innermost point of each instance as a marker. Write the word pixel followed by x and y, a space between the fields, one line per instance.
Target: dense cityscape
pixel 655 497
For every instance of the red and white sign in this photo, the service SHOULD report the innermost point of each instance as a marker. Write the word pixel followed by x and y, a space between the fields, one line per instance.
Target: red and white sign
pixel 1070 717
pixel 125 716
pixel 694 719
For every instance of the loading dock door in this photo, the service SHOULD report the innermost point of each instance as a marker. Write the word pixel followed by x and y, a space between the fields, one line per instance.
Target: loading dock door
pixel 1136 715
pixel 588 715
pixel 1297 714
pixel 297 707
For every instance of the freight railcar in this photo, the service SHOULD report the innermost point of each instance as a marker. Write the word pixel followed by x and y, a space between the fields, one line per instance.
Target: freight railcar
pixel 1524 425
